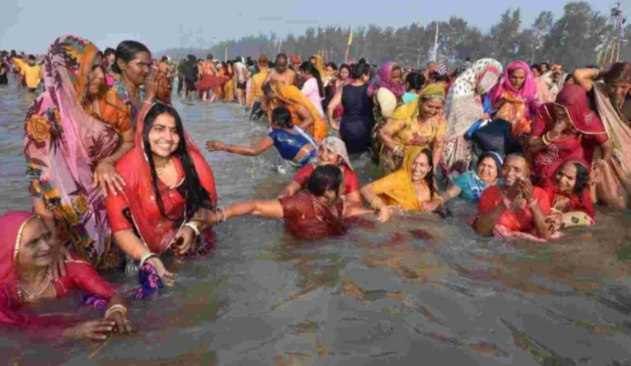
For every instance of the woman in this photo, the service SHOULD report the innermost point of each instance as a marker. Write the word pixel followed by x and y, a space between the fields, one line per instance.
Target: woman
pixel 419 123
pixel 292 143
pixel 312 86
pixel 357 119
pixel 463 108
pixel 329 74
pixel 515 209
pixel 515 98
pixel 411 187
pixel 228 89
pixel 471 184
pixel 414 83
pixel 543 92
pixel 566 130
pixel 613 103
pixel 331 151
pixel 341 80
pixel 26 257
pixel 315 213
pixel 167 183
pixel 303 112
pixel 4 70
pixel 70 152
pixel 123 100
pixel 386 93
pixel 570 200
pixel 256 85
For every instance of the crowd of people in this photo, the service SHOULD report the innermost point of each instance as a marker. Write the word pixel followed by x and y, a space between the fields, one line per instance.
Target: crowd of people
pixel 117 183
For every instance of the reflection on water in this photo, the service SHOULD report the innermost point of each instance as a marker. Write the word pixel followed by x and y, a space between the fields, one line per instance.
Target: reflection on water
pixel 418 288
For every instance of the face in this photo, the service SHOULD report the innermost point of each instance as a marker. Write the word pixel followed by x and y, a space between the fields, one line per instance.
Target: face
pixel 281 65
pixel 487 170
pixel 517 78
pixel 330 71
pixel 327 157
pixel 35 249
pixel 535 73
pixel 544 68
pixel 562 116
pixel 332 196
pixel 431 107
pixel 111 58
pixel 312 60
pixel 514 170
pixel 420 167
pixel 31 62
pixel 619 90
pixel 163 136
pixel 344 74
pixel 137 69
pixel 97 77
pixel 556 75
pixel 396 76
pixel 566 178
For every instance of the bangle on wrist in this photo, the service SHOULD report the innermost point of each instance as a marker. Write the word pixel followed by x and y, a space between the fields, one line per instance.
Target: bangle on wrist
pixel 193 226
pixel 146 257
pixel 116 308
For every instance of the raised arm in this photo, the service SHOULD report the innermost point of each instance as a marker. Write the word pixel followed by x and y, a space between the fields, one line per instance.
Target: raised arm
pixel 265 144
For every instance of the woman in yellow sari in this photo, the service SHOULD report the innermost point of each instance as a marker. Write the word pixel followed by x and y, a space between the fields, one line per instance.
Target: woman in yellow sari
pixel 228 89
pixel 303 112
pixel 420 122
pixel 410 188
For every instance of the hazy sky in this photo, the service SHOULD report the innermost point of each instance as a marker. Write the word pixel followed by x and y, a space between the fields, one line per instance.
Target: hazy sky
pixel 31 25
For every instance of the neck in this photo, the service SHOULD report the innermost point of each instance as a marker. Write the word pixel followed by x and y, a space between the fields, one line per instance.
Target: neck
pixel 32 275
pixel 131 87
pixel 159 161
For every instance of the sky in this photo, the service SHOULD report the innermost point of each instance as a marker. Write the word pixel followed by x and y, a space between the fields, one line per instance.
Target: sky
pixel 31 25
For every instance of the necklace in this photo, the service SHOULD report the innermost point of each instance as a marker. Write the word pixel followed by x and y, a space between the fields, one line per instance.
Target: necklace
pixel 161 169
pixel 36 294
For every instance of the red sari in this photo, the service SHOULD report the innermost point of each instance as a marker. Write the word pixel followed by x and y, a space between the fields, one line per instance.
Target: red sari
pixel 305 218
pixel 351 183
pixel 582 202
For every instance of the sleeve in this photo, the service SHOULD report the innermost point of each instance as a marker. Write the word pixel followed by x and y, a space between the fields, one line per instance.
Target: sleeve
pixel 351 182
pixel 308 87
pixel 386 184
pixel 114 112
pixel 206 176
pixel 601 138
pixel 393 126
pixel 303 175
pixel 441 130
pixel 87 279
pixel 543 199
pixel 387 102
pixel 539 126
pixel 116 205
pixel 462 181
pixel 488 201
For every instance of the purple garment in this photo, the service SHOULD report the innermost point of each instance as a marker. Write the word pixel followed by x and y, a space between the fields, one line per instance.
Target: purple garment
pixel 383 81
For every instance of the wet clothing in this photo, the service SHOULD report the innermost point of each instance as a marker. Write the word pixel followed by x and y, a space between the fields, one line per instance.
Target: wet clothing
pixel 305 218
pixel 357 120
pixel 289 144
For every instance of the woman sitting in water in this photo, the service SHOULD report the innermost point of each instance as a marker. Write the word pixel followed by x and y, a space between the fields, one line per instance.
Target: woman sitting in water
pixel 331 151
pixel 410 188
pixel 516 208
pixel 569 196
pixel 315 213
pixel 292 143
pixel 471 184
pixel 26 254
pixel 167 182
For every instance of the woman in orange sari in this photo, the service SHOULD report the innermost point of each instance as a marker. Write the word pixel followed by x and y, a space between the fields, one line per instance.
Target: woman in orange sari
pixel 304 114
pixel 228 89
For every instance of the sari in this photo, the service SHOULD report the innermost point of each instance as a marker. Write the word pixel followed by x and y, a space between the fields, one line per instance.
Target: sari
pixel 117 107
pixel 579 209
pixel 79 274
pixel 137 208
pixel 62 146
pixel 306 218
pixel 319 65
pixel 291 97
pixel 397 188
pixel 228 88
pixel 387 97
pixel 404 128
pixel 463 108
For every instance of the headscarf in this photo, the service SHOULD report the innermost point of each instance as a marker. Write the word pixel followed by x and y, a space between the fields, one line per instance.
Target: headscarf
pixel 463 106
pixel 383 81
pixel 63 143
pixel 477 185
pixel 527 92
pixel 575 100
pixel 411 109
pixel 337 146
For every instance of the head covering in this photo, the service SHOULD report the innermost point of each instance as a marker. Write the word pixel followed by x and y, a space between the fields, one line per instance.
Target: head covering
pixel 411 109
pixel 432 91
pixel 319 64
pixel 295 59
pixel 528 91
pixel 575 100
pixel 383 81
pixel 463 106
pixel 60 161
pixel 337 146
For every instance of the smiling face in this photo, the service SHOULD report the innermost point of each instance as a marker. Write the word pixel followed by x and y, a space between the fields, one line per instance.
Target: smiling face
pixel 487 170
pixel 137 69
pixel 566 178
pixel 619 90
pixel 327 157
pixel 517 78
pixel 420 167
pixel 515 168
pixel 35 249
pixel 163 136
pixel 344 73
pixel 97 77
pixel 431 107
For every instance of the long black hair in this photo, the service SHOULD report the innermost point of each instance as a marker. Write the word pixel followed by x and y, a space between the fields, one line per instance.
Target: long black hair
pixel 429 178
pixel 309 68
pixel 324 178
pixel 196 196
pixel 127 52
pixel 581 180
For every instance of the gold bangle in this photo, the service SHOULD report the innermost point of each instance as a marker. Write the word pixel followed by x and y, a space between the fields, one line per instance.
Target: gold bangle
pixel 545 140
pixel 442 201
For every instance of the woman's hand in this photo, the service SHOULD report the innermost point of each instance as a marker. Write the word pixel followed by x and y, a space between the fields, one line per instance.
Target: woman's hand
pixel 123 325
pixel 335 125
pixel 106 176
pixel 597 171
pixel 527 189
pixel 560 127
pixel 384 214
pixel 167 277
pixel 184 240
pixel 215 145
pixel 432 205
pixel 60 255
pixel 554 222
pixel 151 86
pixel 95 330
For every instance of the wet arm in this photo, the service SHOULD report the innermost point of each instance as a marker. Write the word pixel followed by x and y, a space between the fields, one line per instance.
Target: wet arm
pixel 585 78
pixel 292 188
pixel 485 223
pixel 452 192
pixel 540 222
pixel 256 150
pixel 269 208
pixel 354 198
pixel 372 198
pixel 437 152
pixel 130 243
pixel 607 149
pixel 330 110
pixel 305 117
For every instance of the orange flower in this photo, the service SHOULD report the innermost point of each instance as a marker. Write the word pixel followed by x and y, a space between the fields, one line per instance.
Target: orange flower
pixel 81 204
pixel 37 127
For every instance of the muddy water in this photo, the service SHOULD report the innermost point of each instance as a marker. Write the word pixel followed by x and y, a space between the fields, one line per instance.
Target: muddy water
pixel 417 290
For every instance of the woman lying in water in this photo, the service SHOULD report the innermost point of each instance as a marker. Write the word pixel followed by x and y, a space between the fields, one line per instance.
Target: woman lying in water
pixel 167 182
pixel 292 143
pixel 332 151
pixel 470 185
pixel 25 257
pixel 411 187
pixel 315 213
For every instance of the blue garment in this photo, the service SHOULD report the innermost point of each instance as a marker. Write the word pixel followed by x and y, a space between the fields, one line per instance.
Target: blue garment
pixel 471 186
pixel 408 97
pixel 289 144
pixel 488 108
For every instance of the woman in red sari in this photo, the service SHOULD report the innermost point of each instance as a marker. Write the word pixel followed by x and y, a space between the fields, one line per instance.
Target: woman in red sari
pixel 25 258
pixel 567 130
pixel 167 182
pixel 315 213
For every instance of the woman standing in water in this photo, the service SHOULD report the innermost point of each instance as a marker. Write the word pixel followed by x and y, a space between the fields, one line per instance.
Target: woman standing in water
pixel 70 152
pixel 312 86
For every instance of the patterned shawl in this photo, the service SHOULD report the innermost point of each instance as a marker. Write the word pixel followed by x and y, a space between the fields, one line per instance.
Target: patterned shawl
pixel 383 81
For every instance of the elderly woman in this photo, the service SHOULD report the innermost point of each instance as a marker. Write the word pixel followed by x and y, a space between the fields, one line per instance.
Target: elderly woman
pixel 331 151
pixel 387 92
pixel 418 123
pixel 26 256
pixel 411 187
pixel 613 103
pixel 516 208
pixel 569 196
pixel 167 183
pixel 471 184
pixel 463 108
